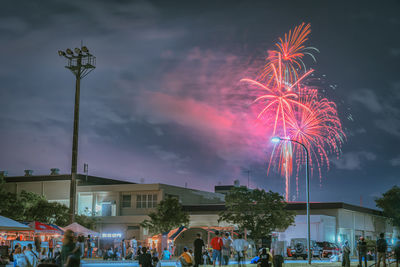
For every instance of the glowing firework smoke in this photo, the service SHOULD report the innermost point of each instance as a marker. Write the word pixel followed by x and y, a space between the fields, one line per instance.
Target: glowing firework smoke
pixel 293 110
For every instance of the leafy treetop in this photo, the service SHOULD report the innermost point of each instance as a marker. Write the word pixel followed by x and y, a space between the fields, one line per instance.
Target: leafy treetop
pixel 168 215
pixel 258 211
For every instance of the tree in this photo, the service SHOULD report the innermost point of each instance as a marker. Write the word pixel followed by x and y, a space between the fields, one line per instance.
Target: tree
pixel 10 206
pixel 389 203
pixel 258 211
pixel 169 215
pixel 29 206
pixel 86 221
pixel 48 212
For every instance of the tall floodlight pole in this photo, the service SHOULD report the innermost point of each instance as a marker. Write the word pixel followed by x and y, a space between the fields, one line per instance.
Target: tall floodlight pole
pixel 277 140
pixel 80 63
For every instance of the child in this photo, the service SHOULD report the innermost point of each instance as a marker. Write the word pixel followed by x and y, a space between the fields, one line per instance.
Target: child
pixel 206 258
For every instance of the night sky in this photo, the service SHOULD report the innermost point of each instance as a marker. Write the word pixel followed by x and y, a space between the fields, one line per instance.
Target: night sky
pixel 165 103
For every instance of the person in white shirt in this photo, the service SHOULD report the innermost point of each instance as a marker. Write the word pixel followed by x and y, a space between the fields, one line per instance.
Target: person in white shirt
pixel 240 246
pixel 31 256
pixel 226 248
pixel 19 258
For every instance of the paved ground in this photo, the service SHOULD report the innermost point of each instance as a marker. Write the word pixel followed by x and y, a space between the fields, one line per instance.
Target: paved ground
pixel 288 263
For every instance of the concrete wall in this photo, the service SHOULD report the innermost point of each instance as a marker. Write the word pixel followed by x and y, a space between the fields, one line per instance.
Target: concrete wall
pixel 322 228
pixel 52 190
pixel 192 197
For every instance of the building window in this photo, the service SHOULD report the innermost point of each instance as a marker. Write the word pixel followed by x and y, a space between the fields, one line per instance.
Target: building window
pixel 146 201
pixel 126 201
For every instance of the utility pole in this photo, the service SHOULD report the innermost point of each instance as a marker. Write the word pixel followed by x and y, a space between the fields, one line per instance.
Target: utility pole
pixel 277 140
pixel 80 63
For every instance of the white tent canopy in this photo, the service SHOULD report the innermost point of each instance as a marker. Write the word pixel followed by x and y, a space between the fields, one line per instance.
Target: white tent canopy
pixel 6 224
pixel 81 230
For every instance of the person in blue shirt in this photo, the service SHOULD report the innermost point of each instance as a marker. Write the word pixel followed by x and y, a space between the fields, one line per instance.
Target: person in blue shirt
pixel 166 255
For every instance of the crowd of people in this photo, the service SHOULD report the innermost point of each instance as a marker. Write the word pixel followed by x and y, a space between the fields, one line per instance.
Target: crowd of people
pixel 69 254
pixel 224 247
pixel 378 252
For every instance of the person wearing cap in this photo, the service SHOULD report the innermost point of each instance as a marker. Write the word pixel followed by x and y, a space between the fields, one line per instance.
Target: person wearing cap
pixel 362 251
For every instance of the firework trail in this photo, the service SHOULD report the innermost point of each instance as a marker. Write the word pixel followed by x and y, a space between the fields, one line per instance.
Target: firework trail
pixel 295 111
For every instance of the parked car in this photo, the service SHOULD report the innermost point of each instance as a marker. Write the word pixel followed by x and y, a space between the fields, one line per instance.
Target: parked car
pixel 298 248
pixel 329 249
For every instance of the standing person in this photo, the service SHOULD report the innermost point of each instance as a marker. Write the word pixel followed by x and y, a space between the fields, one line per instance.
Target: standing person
pixel 198 250
pixel 123 248
pixel 19 258
pixel 362 251
pixel 144 258
pixel 89 243
pixel 381 247
pixel 278 253
pixel 67 247
pixel 226 248
pixel 397 251
pixel 240 246
pixel 51 248
pixel 346 254
pixel 134 246
pixel 216 244
pixel 38 243
pixel 81 246
pixel 166 255
pixel 30 256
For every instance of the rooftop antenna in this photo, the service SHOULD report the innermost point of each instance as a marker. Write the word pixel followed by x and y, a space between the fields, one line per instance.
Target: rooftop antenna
pixel 248 171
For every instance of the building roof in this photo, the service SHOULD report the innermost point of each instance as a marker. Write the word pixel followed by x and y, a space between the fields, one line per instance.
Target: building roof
pixel 332 205
pixel 292 206
pixel 6 224
pixel 82 179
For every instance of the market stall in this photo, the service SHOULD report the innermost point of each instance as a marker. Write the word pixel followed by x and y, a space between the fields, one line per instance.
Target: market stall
pixel 81 230
pixel 46 235
pixel 11 231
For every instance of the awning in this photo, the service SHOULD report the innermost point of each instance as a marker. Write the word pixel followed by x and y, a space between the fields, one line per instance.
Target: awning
pixel 44 228
pixel 180 229
pixel 7 224
pixel 57 227
pixel 80 230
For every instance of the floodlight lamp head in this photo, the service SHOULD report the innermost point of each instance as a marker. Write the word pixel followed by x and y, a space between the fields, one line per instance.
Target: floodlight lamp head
pixel 69 51
pixel 61 53
pixel 275 139
pixel 85 49
pixel 77 50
